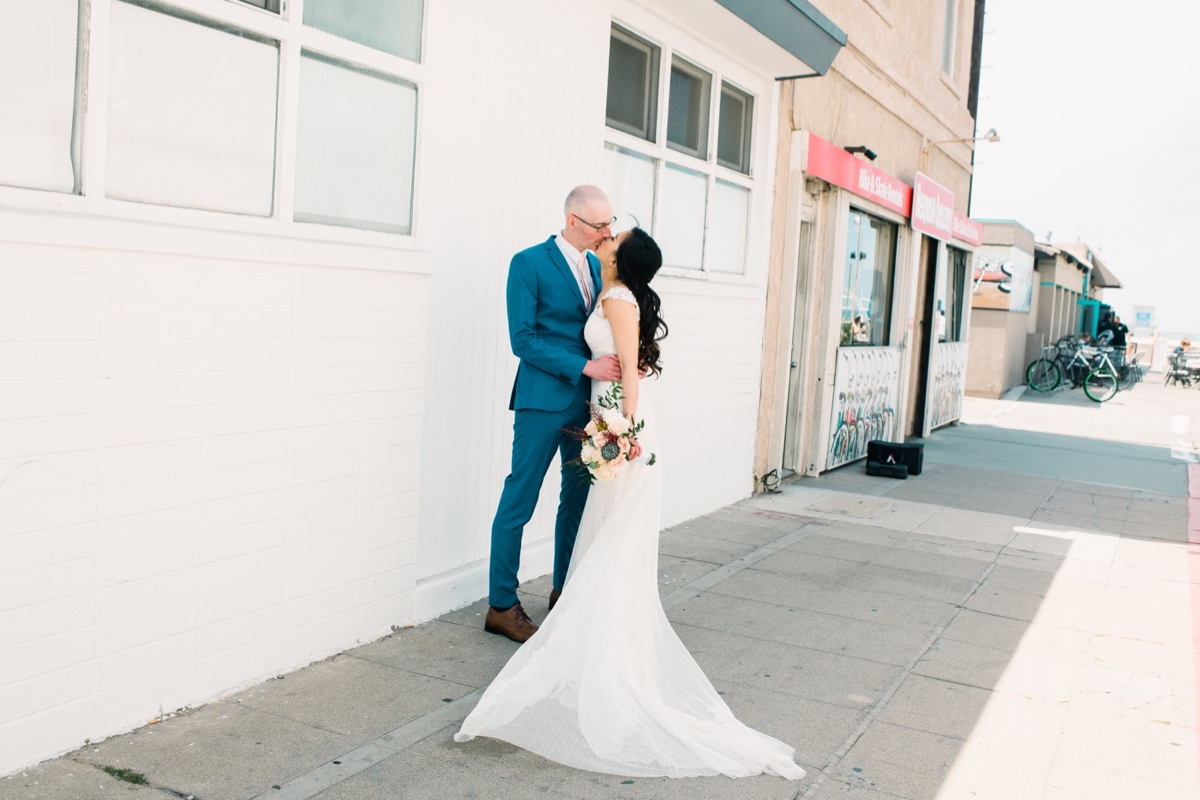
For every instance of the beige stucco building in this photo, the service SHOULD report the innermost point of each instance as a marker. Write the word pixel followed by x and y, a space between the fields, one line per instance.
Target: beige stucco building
pixel 1002 301
pixel 1026 295
pixel 866 318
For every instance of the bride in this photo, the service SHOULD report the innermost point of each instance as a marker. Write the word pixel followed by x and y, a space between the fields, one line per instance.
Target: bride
pixel 605 684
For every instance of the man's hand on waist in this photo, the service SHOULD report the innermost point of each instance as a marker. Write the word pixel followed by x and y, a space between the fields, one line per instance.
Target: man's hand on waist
pixel 604 368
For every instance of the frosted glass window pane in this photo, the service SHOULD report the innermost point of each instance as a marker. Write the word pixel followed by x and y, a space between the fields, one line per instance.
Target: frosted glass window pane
pixel 37 84
pixel 355 145
pixel 730 222
pixel 191 114
pixel 393 26
pixel 630 182
pixel 681 218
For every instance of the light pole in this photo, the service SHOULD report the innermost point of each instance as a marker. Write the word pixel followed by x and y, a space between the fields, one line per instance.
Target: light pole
pixel 990 136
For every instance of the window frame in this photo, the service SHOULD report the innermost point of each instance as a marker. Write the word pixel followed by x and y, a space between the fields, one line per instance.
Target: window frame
pixel 661 153
pixel 653 73
pixel 703 138
pixel 890 295
pixel 285 27
pixel 747 135
pixel 949 53
pixel 954 293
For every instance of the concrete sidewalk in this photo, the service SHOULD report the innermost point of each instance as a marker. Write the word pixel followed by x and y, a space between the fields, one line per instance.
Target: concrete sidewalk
pixel 1013 623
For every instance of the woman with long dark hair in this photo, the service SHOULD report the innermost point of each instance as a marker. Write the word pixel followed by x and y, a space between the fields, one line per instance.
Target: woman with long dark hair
pixel 605 684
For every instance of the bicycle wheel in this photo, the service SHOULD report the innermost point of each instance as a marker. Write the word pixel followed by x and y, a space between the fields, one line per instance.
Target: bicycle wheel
pixel 1043 375
pixel 1128 376
pixel 1100 385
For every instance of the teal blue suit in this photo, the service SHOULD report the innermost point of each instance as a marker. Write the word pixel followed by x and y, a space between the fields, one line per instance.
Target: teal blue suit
pixel 546 315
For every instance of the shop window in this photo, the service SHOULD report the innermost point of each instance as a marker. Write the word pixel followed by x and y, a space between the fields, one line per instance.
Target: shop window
pixel 687 109
pixel 355 142
pixel 632 85
pixel 733 129
pixel 686 179
pixel 38 57
pixel 949 299
pixel 392 27
pixel 867 289
pixel 191 113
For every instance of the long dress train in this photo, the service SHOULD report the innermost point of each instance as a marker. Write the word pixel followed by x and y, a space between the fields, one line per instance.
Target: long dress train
pixel 605 684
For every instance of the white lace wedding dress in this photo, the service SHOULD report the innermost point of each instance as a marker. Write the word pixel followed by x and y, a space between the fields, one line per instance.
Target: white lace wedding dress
pixel 605 684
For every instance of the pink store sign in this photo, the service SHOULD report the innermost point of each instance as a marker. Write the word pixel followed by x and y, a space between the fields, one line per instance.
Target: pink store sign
pixel 968 230
pixel 932 208
pixel 831 163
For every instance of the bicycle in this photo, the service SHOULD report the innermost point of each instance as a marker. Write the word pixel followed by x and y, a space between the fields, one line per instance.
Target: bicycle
pixel 1103 380
pixel 1046 372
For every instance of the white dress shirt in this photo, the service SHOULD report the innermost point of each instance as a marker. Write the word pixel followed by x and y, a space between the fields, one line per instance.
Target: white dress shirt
pixel 572 256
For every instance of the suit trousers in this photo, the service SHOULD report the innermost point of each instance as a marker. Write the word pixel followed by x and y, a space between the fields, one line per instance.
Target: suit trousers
pixel 537 435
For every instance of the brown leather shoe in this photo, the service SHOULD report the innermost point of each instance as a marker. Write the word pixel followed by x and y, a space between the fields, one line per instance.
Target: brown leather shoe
pixel 554 595
pixel 513 623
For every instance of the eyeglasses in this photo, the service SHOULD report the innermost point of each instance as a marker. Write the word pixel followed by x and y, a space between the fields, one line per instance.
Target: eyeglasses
pixel 596 226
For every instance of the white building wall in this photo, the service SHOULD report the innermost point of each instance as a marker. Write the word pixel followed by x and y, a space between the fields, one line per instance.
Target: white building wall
pixel 209 470
pixel 507 158
pixel 227 450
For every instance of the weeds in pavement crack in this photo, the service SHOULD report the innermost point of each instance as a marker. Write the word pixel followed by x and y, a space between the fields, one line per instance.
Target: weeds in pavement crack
pixel 127 775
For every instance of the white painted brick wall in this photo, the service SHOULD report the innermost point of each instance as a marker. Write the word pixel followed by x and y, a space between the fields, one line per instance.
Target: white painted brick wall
pixel 209 473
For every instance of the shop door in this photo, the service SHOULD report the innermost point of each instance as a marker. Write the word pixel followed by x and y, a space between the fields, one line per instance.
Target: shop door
pixel 922 337
pixel 793 455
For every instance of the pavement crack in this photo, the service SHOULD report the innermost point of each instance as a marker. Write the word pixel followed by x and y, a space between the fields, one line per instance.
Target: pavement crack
pixel 144 782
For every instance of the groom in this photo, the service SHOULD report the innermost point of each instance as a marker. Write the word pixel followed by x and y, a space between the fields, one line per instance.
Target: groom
pixel 552 289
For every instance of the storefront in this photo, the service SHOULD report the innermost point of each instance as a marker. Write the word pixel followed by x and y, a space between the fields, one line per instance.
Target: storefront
pixel 940 324
pixel 880 317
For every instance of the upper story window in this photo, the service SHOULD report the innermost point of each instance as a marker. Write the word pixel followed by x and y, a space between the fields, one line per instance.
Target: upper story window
pixel 949 37
pixel 204 111
pixel 680 159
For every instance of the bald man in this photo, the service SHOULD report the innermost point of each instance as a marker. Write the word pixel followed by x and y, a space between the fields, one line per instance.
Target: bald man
pixel 552 289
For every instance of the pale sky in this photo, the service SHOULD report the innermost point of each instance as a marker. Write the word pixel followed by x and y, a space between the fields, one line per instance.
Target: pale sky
pixel 1098 109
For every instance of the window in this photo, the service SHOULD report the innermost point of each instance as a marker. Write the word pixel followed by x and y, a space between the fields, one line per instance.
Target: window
pixel 180 131
pixel 949 36
pixel 632 85
pixel 949 299
pixel 733 129
pixel 392 27
pixel 687 109
pixel 266 5
pixel 867 289
pixel 354 146
pixel 685 174
pixel 190 105
pixel 37 81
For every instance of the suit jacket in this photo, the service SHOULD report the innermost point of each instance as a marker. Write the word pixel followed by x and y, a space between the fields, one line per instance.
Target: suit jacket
pixel 546 316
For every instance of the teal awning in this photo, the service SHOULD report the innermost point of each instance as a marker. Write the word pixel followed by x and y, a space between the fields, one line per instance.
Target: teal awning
pixel 796 26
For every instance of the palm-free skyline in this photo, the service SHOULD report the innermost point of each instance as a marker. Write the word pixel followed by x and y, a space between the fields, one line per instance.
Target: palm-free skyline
pixel 1097 109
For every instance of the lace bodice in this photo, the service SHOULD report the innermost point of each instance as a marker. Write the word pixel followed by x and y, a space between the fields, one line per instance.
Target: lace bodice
pixel 598 332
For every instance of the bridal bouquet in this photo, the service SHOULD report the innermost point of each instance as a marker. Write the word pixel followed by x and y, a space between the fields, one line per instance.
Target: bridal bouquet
pixel 607 438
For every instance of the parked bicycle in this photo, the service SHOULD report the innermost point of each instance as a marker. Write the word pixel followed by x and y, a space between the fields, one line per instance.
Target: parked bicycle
pixel 1101 371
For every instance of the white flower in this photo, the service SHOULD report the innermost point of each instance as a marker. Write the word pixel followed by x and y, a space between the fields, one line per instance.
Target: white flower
pixel 616 421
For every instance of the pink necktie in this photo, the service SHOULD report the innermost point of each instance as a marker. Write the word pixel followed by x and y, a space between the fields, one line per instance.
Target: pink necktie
pixel 585 280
